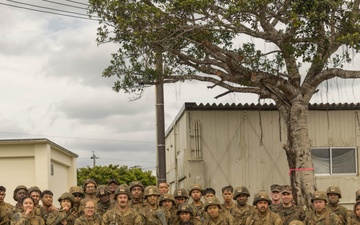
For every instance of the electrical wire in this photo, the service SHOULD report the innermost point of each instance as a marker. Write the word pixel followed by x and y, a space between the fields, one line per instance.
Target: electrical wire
pixel 63 4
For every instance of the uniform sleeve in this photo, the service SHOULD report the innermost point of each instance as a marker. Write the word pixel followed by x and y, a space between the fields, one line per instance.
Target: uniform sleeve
pixel 19 219
pixel 55 217
pixel 138 220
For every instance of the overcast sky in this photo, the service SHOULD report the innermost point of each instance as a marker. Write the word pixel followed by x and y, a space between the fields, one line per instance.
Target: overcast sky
pixel 51 87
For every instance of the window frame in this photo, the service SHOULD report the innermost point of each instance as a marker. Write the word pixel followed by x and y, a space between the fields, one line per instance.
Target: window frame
pixel 331 161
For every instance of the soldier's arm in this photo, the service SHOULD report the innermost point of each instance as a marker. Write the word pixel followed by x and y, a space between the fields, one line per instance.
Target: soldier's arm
pixel 55 217
pixel 138 220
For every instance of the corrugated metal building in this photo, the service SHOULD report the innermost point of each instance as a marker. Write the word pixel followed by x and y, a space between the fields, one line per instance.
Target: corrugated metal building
pixel 218 145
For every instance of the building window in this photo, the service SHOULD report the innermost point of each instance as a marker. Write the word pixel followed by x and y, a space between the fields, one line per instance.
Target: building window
pixel 334 161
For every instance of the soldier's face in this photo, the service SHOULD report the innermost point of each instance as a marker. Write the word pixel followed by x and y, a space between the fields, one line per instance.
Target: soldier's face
pixel 357 210
pixel 163 188
pixel 65 203
pixel 242 199
pixel 90 188
pixel 2 196
pixel 275 195
pixel 184 216
pixel 152 199
pixel 36 196
pixel 22 193
pixel 333 198
pixel 262 206
pixel 112 187
pixel 213 211
pixel 167 204
pixel 122 200
pixel 136 192
pixel 28 204
pixel 89 208
pixel 286 198
pixel 227 195
pixel 319 205
pixel 196 195
pixel 179 201
pixel 47 200
pixel 104 198
pixel 208 196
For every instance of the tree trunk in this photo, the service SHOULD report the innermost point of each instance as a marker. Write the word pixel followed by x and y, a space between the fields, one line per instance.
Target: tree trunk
pixel 298 153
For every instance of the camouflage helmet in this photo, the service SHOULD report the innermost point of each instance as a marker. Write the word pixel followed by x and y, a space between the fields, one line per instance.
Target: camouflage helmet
pixel 17 189
pixel 196 187
pixel 185 207
pixel 261 196
pixel 333 190
pixel 76 189
pixel 165 197
pixel 34 188
pixel 102 190
pixel 211 202
pixel 296 222
pixel 122 189
pixel 241 191
pixel 319 195
pixel 357 195
pixel 68 196
pixel 88 181
pixel 136 184
pixel 151 190
pixel 181 193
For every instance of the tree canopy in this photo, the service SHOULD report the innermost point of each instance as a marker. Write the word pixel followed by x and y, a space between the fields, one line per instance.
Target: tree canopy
pixel 246 46
pixel 123 174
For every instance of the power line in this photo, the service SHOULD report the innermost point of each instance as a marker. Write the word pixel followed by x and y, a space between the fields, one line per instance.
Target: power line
pixel 42 11
pixel 82 138
pixel 63 4
pixel 81 3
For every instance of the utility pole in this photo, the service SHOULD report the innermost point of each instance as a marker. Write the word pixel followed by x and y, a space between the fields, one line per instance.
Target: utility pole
pixel 160 120
pixel 94 157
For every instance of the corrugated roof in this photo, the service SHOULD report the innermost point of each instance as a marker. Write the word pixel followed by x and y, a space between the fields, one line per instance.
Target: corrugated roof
pixel 36 140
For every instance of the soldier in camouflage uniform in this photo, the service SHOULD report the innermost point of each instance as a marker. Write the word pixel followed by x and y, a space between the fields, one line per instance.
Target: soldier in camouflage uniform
pixel 275 197
pixel 242 210
pixel 321 215
pixel 180 196
pixel 65 215
pixel 354 218
pixel 89 217
pixel 104 204
pixel 112 184
pixel 78 194
pixel 167 201
pixel 47 204
pixel 4 220
pixel 195 194
pixel 227 194
pixel 35 193
pixel 288 211
pixel 20 192
pixel 263 215
pixel 27 216
pixel 137 191
pixel 215 215
pixel 186 215
pixel 334 194
pixel 89 187
pixel 152 214
pixel 122 214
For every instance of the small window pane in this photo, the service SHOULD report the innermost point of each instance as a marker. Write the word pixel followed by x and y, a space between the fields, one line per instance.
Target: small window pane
pixel 321 160
pixel 343 160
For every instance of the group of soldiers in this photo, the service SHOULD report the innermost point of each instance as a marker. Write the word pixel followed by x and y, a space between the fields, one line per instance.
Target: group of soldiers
pixel 135 204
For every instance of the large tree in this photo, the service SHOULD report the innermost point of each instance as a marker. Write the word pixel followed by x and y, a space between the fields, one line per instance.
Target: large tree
pixel 207 40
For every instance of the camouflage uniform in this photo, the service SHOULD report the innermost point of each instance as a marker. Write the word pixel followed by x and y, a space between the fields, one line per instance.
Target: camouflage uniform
pixel 151 216
pixel 115 217
pixel 228 208
pixel 224 217
pixel 241 213
pixel 172 212
pixel 291 213
pixel 23 219
pixel 275 207
pixel 137 204
pixel 338 209
pixel 4 207
pixel 353 219
pixel 82 220
pixel 55 217
pixel 102 207
pixel 77 207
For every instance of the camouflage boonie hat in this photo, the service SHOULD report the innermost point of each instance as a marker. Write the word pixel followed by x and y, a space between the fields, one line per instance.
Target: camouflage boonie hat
pixel 286 189
pixel 275 188
pixel 261 196
pixel 102 190
pixel 17 189
pixel 333 190
pixel 196 187
pixel 296 222
pixel 241 191
pixel 319 195
pixel 165 197
pixel 181 193
pixel 185 207
pixel 136 184
pixel 211 202
pixel 76 189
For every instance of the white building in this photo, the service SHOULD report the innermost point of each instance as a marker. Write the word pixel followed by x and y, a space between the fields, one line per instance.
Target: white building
pixel 36 162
